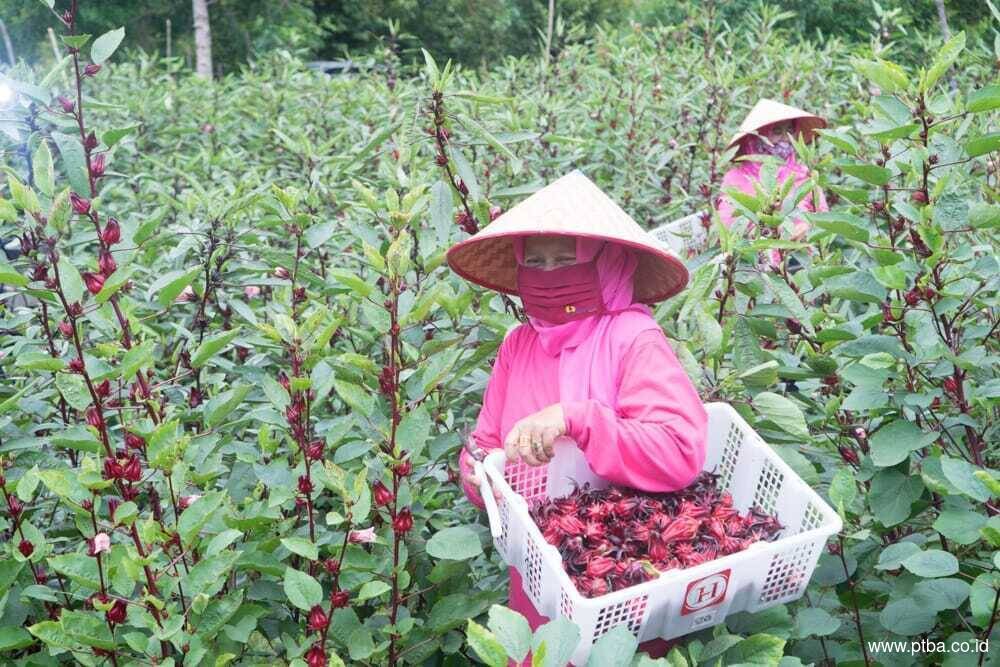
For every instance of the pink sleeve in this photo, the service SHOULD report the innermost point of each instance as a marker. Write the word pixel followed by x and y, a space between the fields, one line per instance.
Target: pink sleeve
pixel 487 431
pixel 814 202
pixel 656 441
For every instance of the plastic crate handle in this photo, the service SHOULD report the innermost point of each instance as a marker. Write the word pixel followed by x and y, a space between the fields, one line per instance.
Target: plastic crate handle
pixel 486 492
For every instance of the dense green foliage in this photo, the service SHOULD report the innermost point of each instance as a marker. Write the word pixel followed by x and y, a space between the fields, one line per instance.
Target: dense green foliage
pixel 279 312
pixel 475 32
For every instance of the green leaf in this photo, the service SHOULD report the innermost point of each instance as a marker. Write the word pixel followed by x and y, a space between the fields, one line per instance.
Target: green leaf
pixel 559 637
pixel 941 594
pixel 931 563
pixel 893 443
pixel 373 589
pixel 869 173
pixel 89 629
pixel 355 396
pixel 217 409
pixel 302 590
pixel 962 475
pixel 960 526
pixel 301 546
pixel 38 361
pixel 210 346
pixel 78 438
pixel 983 144
pixel 75 41
pixel 114 283
pixel 70 279
pixel 73 161
pixel 906 617
pixel 790 300
pixel 42 168
pixel 209 575
pixel 884 74
pixel 194 518
pixel 169 286
pixel 615 648
pixel 892 494
pixel 893 276
pixel 12 638
pixel 9 276
pixel 849 226
pixel 815 622
pixel 511 630
pixel 80 569
pixel 106 44
pixel 455 543
pixel 113 136
pixel 843 490
pixel 23 196
pixel 944 59
pixel 486 646
pixel 783 412
pixel 760 649
pixel 986 98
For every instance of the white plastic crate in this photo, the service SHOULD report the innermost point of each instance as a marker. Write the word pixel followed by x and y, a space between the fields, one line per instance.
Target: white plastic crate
pixel 682 235
pixel 679 601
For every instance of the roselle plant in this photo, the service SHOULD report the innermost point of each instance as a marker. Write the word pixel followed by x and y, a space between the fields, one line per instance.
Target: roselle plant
pixel 268 386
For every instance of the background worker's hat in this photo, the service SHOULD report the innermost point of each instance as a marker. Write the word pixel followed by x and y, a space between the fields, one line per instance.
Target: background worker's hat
pixel 768 112
pixel 571 206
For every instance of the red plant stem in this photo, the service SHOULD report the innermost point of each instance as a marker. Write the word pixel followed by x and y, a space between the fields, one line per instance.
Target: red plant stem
pixel 989 628
pixel 395 360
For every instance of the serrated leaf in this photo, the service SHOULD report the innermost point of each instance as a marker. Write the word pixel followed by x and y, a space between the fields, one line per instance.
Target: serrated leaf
pixel 210 346
pixel 302 590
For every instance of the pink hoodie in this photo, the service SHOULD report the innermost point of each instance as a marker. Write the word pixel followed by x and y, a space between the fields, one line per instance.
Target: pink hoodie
pixel 627 401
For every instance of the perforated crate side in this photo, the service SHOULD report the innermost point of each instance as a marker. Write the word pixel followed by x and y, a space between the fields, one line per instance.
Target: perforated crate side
pixel 787 575
pixel 631 612
pixel 531 572
pixel 529 482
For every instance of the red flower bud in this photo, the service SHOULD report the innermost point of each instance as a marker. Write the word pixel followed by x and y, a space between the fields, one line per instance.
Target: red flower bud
pixel 90 142
pixel 339 599
pixel 112 232
pixel 912 297
pixel 67 104
pixel 91 70
pixel 194 399
pixel 298 295
pixel 403 522
pixel 66 329
pixel 97 165
pixel 94 417
pixel 314 450
pixel 26 548
pixel 929 293
pixel 103 390
pixel 462 187
pixel 849 455
pixel 318 619
pixel 404 468
pixel 76 309
pixel 14 506
pixel 919 197
pixel 93 281
pixel 305 485
pixel 134 441
pixel 950 385
pixel 75 365
pixel 332 566
pixel 117 612
pixel 316 656
pixel 381 494
pixel 106 263
pixel 441 159
pixel 80 205
pixel 282 273
pixel 40 273
pixel 113 504
pixel 794 326
pixel 860 433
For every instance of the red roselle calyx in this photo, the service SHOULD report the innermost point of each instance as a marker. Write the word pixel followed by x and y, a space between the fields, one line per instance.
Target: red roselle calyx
pixel 103 390
pixel 950 385
pixel 403 522
pixel 134 441
pixel 404 468
pixel 332 566
pixel 14 506
pixel 91 70
pixel 26 548
pixel 316 656
pixel 849 455
pixel 75 365
pixel 93 281
pixel 97 165
pixel 66 329
pixel 67 104
pixel 339 599
pixel 90 142
pixel 112 233
pixel 912 297
pixel 117 612
pixel 194 399
pixel 79 204
pixel 318 619
pixel 314 450
pixel 282 273
pixel 382 495
pixel 305 485
pixel 614 538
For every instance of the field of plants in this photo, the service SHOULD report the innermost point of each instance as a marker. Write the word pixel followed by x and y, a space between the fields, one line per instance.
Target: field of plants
pixel 235 370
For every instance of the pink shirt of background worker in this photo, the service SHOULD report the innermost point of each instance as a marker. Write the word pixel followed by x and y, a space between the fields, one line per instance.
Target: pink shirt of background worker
pixel 765 131
pixel 623 396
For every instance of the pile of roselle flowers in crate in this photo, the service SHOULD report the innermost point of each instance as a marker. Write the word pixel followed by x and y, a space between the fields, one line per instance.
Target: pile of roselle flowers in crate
pixel 614 538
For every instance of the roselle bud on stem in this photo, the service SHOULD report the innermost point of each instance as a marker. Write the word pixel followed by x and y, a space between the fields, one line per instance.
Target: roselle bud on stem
pixel 14 506
pixel 80 204
pixel 339 599
pixel 282 273
pixel 91 70
pixel 117 612
pixel 403 522
pixel 318 619
pixel 305 485
pixel 67 104
pixel 26 548
pixel 90 142
pixel 381 494
pixel 848 454
pixel 93 281
pixel 97 165
pixel 106 263
pixel 111 233
pixel 66 329
pixel 316 656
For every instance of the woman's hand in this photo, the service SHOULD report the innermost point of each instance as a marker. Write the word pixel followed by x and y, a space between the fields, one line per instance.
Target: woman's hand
pixel 472 480
pixel 532 438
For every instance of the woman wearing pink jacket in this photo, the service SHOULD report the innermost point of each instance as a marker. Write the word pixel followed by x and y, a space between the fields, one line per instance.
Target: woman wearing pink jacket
pixel 591 363
pixel 766 131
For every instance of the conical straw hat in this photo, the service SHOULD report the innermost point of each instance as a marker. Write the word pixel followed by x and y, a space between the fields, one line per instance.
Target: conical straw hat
pixel 768 112
pixel 570 206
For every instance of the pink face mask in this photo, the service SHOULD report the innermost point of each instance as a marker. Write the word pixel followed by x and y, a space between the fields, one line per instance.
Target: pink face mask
pixel 561 295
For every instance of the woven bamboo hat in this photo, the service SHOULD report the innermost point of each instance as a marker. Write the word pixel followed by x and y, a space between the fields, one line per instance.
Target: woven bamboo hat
pixel 768 112
pixel 570 206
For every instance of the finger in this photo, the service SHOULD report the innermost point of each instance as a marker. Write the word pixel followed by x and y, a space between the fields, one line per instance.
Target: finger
pixel 525 448
pixel 549 436
pixel 510 445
